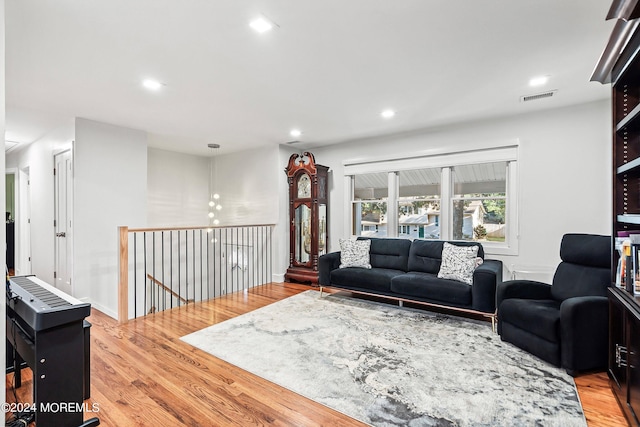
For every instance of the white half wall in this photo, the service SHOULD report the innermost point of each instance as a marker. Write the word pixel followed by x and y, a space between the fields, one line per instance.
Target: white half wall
pixel 564 166
pixel 110 190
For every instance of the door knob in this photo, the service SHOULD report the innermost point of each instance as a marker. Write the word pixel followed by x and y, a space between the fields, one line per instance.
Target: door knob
pixel 62 234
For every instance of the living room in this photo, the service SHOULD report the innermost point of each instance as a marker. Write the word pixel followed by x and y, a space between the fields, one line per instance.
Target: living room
pixel 126 172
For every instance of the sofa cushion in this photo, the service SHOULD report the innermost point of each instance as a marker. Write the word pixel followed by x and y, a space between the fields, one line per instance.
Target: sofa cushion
pixel 389 253
pixel 374 279
pixel 354 253
pixel 540 317
pixel 428 286
pixel 458 263
pixel 426 255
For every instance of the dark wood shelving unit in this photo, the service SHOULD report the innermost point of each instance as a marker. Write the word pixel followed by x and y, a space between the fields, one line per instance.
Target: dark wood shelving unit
pixel 629 219
pixel 621 67
pixel 632 166
pixel 625 79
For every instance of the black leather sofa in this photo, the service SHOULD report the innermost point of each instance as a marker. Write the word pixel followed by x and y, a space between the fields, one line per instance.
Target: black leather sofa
pixel 407 270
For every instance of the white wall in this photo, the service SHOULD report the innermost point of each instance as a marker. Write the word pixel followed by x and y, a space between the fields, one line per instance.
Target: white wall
pixel 38 157
pixel 177 190
pixel 110 190
pixel 250 185
pixel 3 236
pixel 564 171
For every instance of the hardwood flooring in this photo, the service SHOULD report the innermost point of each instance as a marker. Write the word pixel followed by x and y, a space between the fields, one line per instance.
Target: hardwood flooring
pixel 143 375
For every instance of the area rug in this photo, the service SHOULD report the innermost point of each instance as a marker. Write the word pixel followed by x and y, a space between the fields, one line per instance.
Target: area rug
pixel 391 366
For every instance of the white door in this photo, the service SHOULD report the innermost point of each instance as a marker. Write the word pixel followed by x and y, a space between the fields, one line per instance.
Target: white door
pixel 63 181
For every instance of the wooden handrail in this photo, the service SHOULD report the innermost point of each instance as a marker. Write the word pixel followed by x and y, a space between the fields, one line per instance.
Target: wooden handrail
pixel 201 227
pixel 164 287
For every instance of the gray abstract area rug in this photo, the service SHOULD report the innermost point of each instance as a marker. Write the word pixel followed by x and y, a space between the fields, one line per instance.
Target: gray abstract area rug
pixel 391 366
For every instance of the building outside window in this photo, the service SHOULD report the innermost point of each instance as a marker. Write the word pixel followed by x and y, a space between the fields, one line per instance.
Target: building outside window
pixel 369 205
pixel 419 203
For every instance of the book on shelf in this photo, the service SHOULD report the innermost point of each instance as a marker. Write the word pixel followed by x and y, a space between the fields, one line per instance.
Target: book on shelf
pixel 628 268
pixel 634 271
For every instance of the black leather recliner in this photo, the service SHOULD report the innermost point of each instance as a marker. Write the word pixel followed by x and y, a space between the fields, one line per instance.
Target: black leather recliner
pixel 566 323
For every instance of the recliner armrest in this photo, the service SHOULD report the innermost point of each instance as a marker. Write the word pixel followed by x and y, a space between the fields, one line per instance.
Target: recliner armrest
pixel 485 280
pixel 584 333
pixel 326 264
pixel 524 289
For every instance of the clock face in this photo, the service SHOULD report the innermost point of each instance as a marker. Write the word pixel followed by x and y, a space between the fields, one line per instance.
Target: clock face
pixel 304 186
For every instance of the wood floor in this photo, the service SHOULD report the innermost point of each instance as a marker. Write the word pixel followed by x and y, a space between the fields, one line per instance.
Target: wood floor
pixel 143 375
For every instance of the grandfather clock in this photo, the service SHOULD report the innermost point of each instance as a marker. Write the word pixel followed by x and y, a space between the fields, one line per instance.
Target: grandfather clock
pixel 308 216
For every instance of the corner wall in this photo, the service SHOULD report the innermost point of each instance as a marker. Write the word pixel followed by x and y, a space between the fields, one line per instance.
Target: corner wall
pixel 110 190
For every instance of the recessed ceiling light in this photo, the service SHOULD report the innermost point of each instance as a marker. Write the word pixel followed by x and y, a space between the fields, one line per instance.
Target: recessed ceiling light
pixel 539 81
pixel 295 133
pixel 387 114
pixel 152 84
pixel 261 25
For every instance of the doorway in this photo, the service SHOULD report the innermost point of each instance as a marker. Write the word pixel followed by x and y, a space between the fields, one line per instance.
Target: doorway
pixel 23 224
pixel 63 199
pixel 10 205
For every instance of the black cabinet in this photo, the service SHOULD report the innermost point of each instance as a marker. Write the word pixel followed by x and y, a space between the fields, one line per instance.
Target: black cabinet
pixel 624 352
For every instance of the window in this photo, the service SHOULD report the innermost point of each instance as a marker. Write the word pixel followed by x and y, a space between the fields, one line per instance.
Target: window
pixel 478 205
pixel 369 205
pixel 419 203
pixel 467 195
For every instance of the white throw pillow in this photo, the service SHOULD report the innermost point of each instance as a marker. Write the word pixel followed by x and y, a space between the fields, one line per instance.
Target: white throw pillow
pixel 458 263
pixel 354 253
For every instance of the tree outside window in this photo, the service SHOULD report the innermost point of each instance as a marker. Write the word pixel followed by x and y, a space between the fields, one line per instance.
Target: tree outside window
pixel 479 202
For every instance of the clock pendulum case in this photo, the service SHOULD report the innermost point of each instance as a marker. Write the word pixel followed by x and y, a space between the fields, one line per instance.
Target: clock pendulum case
pixel 308 217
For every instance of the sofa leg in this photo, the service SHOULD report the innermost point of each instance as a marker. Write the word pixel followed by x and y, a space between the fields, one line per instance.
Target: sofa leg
pixel 320 291
pixel 400 303
pixel 493 323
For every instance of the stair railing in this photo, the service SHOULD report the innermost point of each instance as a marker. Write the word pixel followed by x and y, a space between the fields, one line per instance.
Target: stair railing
pixel 163 268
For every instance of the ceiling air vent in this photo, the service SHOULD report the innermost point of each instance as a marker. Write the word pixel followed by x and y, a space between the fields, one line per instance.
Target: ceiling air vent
pixel 537 96
pixel 9 145
pixel 293 142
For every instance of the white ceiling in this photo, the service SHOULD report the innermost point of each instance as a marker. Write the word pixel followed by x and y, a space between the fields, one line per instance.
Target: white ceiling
pixel 329 68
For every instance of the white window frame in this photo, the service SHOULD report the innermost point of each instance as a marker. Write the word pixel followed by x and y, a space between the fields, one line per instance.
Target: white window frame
pixel 446 161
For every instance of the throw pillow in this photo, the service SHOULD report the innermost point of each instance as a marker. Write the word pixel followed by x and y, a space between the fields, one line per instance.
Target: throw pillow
pixel 458 263
pixel 354 253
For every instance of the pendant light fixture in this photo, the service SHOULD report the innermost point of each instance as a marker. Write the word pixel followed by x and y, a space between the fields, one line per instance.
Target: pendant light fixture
pixel 214 197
